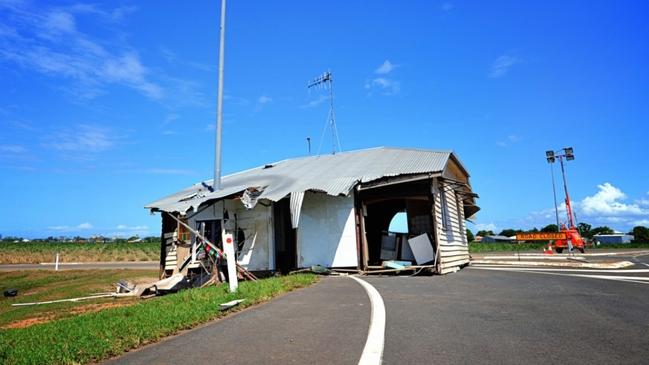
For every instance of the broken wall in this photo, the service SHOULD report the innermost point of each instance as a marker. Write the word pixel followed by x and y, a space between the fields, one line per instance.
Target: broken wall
pixel 450 228
pixel 256 225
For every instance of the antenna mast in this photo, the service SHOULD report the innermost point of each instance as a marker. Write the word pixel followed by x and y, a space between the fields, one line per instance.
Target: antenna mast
pixel 326 81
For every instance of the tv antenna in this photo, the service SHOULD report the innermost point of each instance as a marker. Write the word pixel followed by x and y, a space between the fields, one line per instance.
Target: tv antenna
pixel 326 81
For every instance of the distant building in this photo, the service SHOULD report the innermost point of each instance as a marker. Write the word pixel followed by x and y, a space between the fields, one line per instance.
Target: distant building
pixel 494 239
pixel 607 239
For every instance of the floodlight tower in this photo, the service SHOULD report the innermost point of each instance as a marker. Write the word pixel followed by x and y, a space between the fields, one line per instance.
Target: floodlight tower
pixel 326 81
pixel 568 154
pixel 550 157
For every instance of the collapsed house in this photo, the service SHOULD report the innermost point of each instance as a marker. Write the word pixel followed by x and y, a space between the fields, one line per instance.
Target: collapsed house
pixel 328 210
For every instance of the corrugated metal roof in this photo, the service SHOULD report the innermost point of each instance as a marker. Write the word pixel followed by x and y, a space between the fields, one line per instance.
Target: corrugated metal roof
pixel 333 174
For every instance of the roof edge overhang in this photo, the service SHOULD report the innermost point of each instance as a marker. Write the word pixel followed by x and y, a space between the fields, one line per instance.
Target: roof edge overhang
pixel 400 179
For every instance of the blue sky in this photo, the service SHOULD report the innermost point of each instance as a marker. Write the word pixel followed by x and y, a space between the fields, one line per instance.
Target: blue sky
pixel 106 107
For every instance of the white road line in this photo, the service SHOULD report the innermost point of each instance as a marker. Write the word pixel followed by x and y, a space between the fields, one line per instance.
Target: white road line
pixel 373 351
pixel 574 264
pixel 563 256
pixel 629 279
pixel 521 268
pixel 647 265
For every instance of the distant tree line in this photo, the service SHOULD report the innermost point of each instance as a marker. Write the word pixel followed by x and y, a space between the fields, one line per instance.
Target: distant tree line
pixel 98 239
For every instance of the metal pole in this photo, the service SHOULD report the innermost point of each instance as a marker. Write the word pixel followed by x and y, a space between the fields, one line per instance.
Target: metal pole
pixel 308 141
pixel 332 116
pixel 554 193
pixel 565 188
pixel 219 112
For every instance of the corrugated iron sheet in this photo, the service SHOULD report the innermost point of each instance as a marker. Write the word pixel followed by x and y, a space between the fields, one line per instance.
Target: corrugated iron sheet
pixel 332 174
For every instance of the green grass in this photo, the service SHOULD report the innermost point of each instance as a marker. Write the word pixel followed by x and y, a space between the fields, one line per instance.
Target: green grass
pixel 51 285
pixel 498 247
pixel 97 336
pixel 478 247
pixel 621 245
pixel 30 253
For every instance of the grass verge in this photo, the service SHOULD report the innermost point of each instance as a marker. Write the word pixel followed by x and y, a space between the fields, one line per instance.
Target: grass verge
pixel 36 252
pixel 476 247
pixel 97 336
pixel 498 247
pixel 43 285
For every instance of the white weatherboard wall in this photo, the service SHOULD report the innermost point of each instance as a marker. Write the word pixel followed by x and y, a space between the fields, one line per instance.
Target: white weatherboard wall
pixel 453 246
pixel 327 231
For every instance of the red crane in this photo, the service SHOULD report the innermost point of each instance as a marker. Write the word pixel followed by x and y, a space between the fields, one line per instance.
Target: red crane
pixel 573 238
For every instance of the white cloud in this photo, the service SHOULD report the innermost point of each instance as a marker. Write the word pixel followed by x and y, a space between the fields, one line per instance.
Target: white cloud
pixel 82 138
pixel 501 65
pixel 127 69
pixel 264 99
pixel 59 228
pixel 123 227
pixel 12 148
pixel 608 202
pixel 60 21
pixel 385 68
pixel 50 42
pixel 641 222
pixel 84 226
pixel 170 118
pixel 385 85
pixel 509 140
pixel 484 227
pixel 605 207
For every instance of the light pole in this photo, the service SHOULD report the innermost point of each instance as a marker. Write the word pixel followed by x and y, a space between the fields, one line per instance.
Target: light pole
pixel 551 156
pixel 216 184
pixel 554 189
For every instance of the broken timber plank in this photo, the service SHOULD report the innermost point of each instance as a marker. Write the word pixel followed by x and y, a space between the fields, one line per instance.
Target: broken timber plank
pixel 219 251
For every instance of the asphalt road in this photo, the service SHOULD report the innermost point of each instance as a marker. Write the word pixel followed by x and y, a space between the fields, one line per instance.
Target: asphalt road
pixel 144 265
pixel 323 324
pixel 485 314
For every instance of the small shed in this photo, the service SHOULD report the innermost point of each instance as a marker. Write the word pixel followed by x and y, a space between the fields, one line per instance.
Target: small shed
pixel 616 238
pixel 497 238
pixel 329 210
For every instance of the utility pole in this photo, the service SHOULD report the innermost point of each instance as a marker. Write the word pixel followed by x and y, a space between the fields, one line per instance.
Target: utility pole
pixel 554 193
pixel 216 185
pixel 565 188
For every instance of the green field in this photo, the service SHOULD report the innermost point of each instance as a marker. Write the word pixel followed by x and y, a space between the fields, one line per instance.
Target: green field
pixel 477 247
pixel 33 253
pixel 92 337
pixel 44 285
